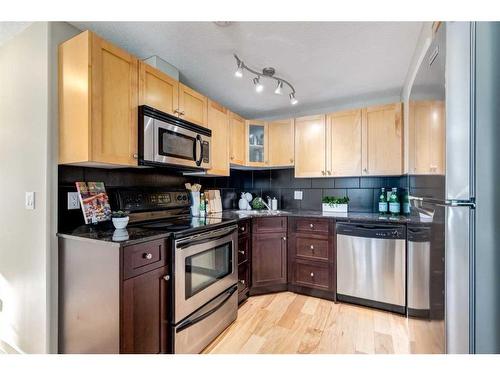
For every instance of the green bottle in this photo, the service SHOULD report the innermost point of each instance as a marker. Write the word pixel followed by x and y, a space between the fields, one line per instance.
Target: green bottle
pixel 406 203
pixel 382 203
pixel 394 206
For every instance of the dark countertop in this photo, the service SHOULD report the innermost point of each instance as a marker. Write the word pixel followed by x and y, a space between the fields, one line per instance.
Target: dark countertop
pixel 131 235
pixel 350 216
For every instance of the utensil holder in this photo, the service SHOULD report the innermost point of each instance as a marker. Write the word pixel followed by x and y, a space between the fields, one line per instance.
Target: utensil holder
pixel 195 203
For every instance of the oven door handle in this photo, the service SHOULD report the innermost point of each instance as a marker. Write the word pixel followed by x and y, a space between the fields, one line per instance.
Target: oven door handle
pixel 197 239
pixel 200 315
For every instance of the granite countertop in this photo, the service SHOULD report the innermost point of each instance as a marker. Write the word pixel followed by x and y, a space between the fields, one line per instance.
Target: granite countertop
pixel 350 216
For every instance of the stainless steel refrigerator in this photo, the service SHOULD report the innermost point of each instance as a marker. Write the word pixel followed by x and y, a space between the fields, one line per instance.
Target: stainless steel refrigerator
pixel 462 70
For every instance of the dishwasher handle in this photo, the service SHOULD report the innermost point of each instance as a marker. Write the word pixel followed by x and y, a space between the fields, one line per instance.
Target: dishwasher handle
pixel 386 232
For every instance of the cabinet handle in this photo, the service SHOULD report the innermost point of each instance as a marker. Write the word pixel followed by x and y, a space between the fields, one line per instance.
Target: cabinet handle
pixel 166 277
pixel 329 172
pixel 312 247
pixel 176 111
pixel 241 252
pixel 311 225
pixel 291 160
pixel 147 256
pixel 267 162
pixel 323 173
pixel 242 281
pixel 232 157
pixel 284 238
pixel 365 170
pixel 312 274
pixel 242 229
pixel 135 156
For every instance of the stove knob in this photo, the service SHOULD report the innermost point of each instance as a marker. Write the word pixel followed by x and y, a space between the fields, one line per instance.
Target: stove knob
pixel 184 198
pixel 179 197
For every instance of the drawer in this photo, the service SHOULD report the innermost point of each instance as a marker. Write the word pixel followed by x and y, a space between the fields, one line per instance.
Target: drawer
pixel 269 224
pixel 317 226
pixel 143 257
pixel 312 275
pixel 243 277
pixel 243 250
pixel 244 228
pixel 314 248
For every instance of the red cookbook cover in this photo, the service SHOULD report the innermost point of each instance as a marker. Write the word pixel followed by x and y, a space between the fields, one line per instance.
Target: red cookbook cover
pixel 94 201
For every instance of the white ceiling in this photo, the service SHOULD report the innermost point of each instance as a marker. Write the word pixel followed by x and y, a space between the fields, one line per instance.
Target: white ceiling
pixel 9 29
pixel 327 62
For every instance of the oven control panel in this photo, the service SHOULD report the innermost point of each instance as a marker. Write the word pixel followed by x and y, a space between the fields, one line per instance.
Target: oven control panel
pixel 135 200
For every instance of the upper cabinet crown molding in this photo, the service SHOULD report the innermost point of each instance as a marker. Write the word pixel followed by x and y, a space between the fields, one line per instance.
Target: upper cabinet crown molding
pixel 98 97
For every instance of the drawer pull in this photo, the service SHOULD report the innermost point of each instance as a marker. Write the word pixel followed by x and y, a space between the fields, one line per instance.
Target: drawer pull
pixel 284 238
pixel 312 274
pixel 242 229
pixel 241 252
pixel 242 282
pixel 147 256
pixel 311 225
pixel 312 247
pixel 166 277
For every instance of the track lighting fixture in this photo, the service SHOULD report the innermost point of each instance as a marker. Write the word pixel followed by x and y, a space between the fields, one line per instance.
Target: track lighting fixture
pixel 266 73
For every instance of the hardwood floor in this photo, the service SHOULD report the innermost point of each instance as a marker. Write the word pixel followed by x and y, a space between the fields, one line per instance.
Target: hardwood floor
pixel 292 323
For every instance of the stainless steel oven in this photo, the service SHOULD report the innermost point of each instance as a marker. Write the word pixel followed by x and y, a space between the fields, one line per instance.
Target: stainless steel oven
pixel 166 140
pixel 205 292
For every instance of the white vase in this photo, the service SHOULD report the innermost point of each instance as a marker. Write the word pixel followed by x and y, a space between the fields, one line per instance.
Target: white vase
pixel 120 222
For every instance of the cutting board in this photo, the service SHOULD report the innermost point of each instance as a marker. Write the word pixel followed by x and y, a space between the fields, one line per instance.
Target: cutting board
pixel 214 201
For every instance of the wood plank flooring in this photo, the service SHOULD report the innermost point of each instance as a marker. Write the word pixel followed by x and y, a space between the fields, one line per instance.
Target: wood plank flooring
pixel 292 323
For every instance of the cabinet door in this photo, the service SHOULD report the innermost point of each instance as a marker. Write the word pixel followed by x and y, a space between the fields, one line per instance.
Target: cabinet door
pixel 257 145
pixel 218 122
pixel 344 143
pixel 114 104
pixel 310 146
pixel 427 137
pixel 382 140
pixel 281 143
pixel 236 139
pixel 144 313
pixel 157 89
pixel 193 106
pixel 269 259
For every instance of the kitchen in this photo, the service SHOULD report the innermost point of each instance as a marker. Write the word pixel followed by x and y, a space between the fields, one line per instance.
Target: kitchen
pixel 192 221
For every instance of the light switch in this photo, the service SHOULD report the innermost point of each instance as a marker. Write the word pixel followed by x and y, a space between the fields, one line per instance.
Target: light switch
pixel 73 201
pixel 297 195
pixel 29 202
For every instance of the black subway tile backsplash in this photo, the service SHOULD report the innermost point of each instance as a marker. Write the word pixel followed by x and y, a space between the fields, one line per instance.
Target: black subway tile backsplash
pixel 360 200
pixel 346 182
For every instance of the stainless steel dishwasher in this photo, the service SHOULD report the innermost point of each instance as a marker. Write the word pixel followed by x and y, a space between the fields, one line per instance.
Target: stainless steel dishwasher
pixel 371 265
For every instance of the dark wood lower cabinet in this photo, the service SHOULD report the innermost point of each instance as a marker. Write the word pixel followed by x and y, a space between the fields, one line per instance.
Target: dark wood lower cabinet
pixel 144 313
pixel 244 259
pixel 269 256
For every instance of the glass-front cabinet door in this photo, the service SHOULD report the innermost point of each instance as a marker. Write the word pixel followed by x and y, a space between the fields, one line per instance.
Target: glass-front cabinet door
pixel 257 143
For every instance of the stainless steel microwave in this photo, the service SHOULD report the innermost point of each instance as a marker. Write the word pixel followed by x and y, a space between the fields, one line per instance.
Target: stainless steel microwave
pixel 165 140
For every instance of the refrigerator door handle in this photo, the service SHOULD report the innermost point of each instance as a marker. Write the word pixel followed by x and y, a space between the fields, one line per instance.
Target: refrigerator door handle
pixel 445 202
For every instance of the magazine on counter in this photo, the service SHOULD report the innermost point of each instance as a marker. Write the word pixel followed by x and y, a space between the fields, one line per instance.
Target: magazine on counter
pixel 94 201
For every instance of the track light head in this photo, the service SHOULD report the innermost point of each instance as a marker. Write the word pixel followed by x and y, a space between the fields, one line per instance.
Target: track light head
pixel 239 72
pixel 293 100
pixel 279 88
pixel 258 86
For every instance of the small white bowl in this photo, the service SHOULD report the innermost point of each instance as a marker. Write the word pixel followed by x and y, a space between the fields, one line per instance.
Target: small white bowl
pixel 120 222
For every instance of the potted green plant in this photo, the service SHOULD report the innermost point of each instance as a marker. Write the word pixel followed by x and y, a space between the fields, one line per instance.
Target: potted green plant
pixel 335 204
pixel 120 219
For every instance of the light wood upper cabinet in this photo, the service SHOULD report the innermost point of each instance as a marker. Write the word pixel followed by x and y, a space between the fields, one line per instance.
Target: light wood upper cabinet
pixel 98 97
pixel 218 122
pixel 281 143
pixel 427 137
pixel 310 146
pixel 236 139
pixel 344 143
pixel 256 143
pixel 193 106
pixel 157 89
pixel 382 140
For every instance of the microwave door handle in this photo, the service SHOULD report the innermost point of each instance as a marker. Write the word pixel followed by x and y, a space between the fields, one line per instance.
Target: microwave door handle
pixel 200 144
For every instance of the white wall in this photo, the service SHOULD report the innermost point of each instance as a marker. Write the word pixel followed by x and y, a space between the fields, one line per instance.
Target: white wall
pixel 28 151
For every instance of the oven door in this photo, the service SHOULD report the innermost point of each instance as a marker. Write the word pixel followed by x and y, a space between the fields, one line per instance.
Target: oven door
pixel 205 267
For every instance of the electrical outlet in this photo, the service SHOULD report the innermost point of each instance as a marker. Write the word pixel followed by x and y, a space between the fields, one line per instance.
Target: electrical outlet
pixel 29 200
pixel 297 195
pixel 73 201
